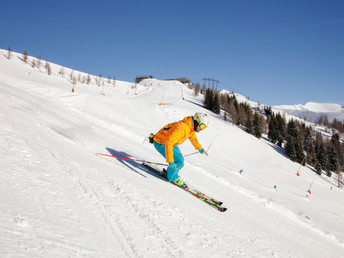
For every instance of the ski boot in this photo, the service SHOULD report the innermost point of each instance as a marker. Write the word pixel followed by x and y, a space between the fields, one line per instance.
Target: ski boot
pixel 180 183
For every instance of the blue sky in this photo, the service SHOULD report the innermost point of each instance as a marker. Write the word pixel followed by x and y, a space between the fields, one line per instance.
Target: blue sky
pixel 273 51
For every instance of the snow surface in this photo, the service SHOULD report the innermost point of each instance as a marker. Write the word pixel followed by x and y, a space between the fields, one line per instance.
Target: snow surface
pixel 59 199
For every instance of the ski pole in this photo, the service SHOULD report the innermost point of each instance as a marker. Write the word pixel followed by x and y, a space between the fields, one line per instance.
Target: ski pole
pixel 132 159
pixel 207 149
pixel 190 154
pixel 213 141
pixel 193 154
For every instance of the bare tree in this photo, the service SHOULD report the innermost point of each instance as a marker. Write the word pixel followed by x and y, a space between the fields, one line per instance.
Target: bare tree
pixel 224 99
pixel 71 75
pixel 39 61
pixel 25 56
pixel 74 80
pixel 197 89
pixel 9 52
pixel 33 63
pixel 114 80
pixel 340 179
pixel 204 89
pixel 99 80
pixel 48 67
pixel 62 72
pixel 88 79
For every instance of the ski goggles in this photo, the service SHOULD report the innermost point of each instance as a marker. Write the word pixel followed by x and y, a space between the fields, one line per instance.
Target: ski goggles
pixel 203 126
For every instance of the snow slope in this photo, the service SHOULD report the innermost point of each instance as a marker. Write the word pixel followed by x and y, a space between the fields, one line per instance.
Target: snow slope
pixel 59 199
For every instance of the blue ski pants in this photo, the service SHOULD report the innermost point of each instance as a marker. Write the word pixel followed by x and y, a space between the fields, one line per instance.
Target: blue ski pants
pixel 172 174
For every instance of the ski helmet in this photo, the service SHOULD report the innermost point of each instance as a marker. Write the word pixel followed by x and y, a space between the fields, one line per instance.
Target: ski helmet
pixel 201 119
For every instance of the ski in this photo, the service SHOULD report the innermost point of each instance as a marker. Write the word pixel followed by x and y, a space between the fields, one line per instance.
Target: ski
pixel 198 194
pixel 209 198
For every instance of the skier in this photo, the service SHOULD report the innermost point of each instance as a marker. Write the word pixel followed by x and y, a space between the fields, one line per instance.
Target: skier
pixel 166 142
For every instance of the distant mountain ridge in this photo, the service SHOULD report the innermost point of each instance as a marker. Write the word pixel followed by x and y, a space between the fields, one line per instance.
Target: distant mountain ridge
pixel 312 111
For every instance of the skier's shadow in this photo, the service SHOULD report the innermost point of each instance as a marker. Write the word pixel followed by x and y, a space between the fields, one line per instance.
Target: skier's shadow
pixel 132 165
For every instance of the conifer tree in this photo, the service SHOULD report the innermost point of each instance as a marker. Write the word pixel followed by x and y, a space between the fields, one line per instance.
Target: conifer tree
pixel 292 129
pixel 299 149
pixel 280 124
pixel 310 153
pixel 335 141
pixel 309 158
pixel 290 148
pixel 308 140
pixel 216 103
pixel 208 99
pixel 267 111
pixel 249 124
pixel 257 128
pixel 318 167
pixel 294 138
pixel 263 123
pixel 322 156
pixel 332 158
pixel 272 134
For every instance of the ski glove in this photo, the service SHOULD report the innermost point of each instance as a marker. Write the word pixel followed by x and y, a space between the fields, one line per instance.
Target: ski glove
pixel 172 165
pixel 202 151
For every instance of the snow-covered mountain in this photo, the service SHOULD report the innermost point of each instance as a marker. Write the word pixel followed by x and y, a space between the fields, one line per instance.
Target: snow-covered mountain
pixel 59 199
pixel 313 111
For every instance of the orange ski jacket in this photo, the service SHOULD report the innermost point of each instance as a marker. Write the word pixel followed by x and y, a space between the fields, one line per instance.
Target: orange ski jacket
pixel 175 134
